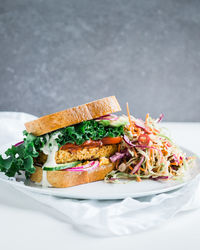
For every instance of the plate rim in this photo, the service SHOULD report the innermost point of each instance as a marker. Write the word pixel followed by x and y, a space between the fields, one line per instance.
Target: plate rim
pixel 49 191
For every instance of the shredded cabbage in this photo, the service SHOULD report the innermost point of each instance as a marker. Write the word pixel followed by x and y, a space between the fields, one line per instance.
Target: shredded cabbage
pixel 163 159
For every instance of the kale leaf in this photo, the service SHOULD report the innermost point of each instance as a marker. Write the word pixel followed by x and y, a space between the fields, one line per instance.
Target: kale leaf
pixel 86 130
pixel 20 158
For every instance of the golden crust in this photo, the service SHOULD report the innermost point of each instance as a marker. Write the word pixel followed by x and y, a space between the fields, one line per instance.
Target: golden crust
pixel 86 153
pixel 88 111
pixel 37 176
pixel 63 179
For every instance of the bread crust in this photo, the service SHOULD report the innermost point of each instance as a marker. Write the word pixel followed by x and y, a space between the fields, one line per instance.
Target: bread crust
pixel 63 179
pixel 68 117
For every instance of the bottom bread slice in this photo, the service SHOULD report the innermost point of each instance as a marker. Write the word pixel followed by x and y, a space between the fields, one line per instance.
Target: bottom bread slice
pixel 62 179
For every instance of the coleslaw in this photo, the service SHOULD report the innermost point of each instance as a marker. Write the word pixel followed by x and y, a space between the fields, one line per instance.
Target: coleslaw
pixel 147 152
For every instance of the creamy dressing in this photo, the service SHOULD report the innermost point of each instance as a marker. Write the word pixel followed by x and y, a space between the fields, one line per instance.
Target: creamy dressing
pixel 50 148
pixel 45 182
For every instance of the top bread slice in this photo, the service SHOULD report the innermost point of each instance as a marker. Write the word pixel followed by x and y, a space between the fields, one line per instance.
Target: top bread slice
pixel 68 117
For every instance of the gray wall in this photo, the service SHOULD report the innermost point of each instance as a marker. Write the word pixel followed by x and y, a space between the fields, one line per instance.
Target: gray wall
pixel 57 54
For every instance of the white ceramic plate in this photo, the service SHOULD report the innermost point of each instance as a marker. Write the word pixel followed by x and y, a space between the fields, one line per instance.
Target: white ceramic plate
pixel 107 191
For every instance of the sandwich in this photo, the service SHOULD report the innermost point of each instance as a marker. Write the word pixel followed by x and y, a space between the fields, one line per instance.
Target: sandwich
pixel 70 147
pixel 89 143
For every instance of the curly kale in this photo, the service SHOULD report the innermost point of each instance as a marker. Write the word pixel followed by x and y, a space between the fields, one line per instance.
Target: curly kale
pixel 84 131
pixel 20 158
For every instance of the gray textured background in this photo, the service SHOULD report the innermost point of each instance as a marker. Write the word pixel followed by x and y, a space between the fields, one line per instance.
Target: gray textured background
pixel 57 54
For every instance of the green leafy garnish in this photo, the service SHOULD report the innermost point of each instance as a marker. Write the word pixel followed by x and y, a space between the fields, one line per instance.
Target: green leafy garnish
pixel 84 131
pixel 21 158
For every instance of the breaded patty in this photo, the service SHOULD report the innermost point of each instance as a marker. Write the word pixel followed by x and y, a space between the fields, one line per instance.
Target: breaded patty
pixel 87 153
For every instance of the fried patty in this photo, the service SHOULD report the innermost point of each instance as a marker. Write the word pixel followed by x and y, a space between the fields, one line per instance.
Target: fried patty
pixel 86 153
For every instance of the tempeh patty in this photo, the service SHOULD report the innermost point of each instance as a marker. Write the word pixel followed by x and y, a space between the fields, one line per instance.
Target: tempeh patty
pixel 86 153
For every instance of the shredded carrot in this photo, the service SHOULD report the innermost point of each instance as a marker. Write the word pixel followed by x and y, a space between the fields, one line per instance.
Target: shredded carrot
pixel 164 152
pixel 135 153
pixel 173 163
pixel 155 133
pixel 138 132
pixel 147 117
pixel 138 178
pixel 146 166
pixel 150 153
pixel 142 169
pixel 150 129
pixel 171 171
pixel 159 151
pixel 117 163
pixel 131 168
pixel 129 118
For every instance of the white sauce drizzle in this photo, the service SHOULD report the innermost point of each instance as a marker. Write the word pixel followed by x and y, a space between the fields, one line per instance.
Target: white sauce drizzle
pixel 49 149
pixel 45 182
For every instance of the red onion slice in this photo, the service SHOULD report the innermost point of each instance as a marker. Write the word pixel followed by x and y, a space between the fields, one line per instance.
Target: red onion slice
pixel 108 117
pixel 176 158
pixel 87 167
pixel 137 167
pixel 19 143
pixel 141 124
pixel 117 156
pixel 159 178
pixel 160 118
pixel 80 167
pixel 126 139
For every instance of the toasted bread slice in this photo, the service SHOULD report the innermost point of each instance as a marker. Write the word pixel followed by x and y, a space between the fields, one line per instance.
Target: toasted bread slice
pixel 63 179
pixel 85 112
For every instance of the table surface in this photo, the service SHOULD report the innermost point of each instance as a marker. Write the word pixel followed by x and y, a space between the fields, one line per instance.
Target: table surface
pixel 27 224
